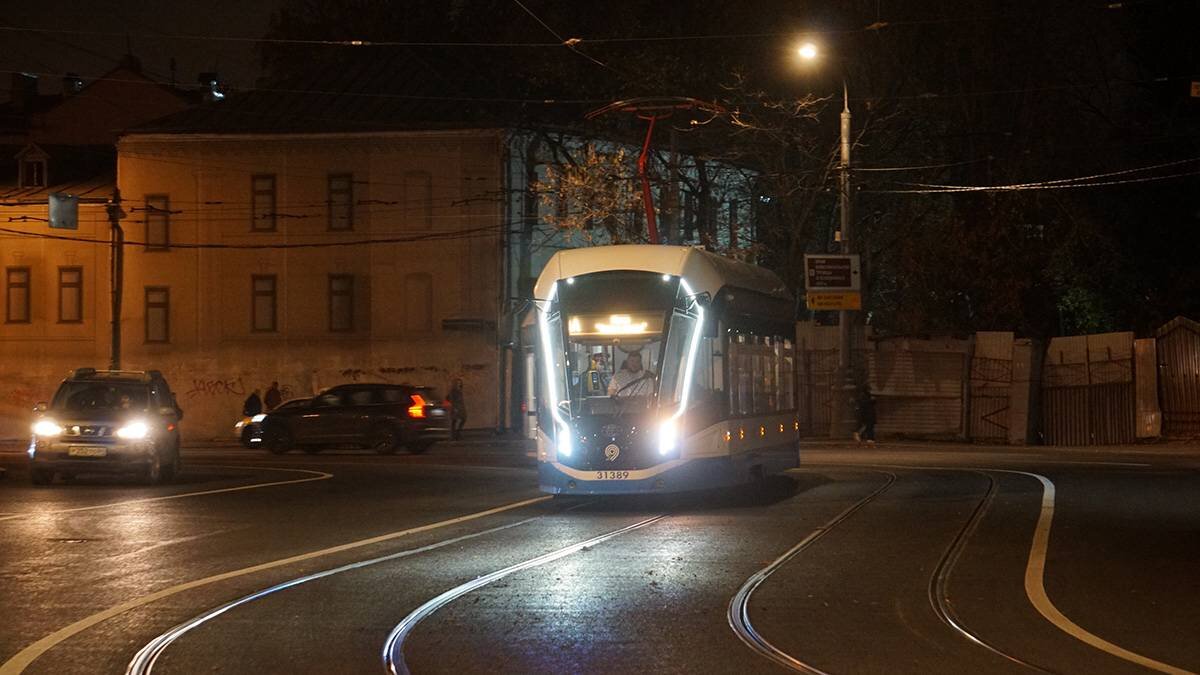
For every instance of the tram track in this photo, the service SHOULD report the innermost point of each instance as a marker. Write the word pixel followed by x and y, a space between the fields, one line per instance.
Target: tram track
pixel 739 606
pixel 147 657
pixel 393 648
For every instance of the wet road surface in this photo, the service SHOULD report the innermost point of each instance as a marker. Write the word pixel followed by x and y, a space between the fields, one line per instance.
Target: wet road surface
pixel 900 559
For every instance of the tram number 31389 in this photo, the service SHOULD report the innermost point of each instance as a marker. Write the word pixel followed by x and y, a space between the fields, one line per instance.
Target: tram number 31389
pixel 612 475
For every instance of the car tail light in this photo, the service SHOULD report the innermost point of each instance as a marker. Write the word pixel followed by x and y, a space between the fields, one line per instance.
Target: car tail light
pixel 417 409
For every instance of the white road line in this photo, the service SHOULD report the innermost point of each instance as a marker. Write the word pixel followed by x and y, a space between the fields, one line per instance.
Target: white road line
pixel 1035 588
pixel 26 656
pixel 143 662
pixel 315 475
pixel 393 647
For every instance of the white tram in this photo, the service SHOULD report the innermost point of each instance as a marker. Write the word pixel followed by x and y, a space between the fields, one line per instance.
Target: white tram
pixel 713 402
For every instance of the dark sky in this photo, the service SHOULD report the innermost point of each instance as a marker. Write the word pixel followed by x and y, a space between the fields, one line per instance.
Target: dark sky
pixel 100 40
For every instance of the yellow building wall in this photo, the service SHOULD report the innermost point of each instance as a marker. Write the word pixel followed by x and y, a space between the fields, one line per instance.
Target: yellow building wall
pixel 213 359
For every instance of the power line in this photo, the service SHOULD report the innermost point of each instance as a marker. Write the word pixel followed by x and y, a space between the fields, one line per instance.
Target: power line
pixel 1041 186
pixel 473 233
pixel 1060 181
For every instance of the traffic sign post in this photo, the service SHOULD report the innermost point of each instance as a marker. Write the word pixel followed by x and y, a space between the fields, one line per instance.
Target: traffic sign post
pixel 833 282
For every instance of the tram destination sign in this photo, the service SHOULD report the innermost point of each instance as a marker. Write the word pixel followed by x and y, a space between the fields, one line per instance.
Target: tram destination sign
pixel 828 273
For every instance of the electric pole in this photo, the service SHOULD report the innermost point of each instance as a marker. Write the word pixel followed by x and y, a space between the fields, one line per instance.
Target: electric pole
pixel 117 255
pixel 843 396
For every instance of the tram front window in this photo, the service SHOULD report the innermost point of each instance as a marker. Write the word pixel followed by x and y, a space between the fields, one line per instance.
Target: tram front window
pixel 626 342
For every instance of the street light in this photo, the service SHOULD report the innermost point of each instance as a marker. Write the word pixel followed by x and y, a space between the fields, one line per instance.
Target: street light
pixel 808 51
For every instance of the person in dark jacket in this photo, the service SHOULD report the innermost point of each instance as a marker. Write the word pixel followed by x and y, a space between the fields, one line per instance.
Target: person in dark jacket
pixel 865 407
pixel 273 397
pixel 458 408
pixel 253 405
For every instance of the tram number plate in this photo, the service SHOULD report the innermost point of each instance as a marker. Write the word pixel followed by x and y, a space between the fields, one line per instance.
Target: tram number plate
pixel 612 475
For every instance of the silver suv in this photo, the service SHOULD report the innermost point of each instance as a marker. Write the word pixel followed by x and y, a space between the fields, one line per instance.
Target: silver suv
pixel 107 421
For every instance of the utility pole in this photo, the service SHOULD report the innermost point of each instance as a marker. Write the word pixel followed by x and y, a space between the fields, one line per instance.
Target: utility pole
pixel 843 396
pixel 117 256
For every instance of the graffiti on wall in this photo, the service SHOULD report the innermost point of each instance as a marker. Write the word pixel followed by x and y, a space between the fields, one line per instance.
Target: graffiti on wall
pixel 216 387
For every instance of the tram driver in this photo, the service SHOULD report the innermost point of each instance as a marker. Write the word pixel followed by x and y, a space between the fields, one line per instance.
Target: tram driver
pixel 632 379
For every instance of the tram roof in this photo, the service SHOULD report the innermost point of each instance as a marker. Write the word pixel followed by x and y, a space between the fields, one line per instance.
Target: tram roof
pixel 704 271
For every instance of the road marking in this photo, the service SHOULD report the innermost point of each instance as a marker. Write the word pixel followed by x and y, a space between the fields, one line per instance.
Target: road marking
pixel 393 647
pixel 1035 588
pixel 19 662
pixel 1035 572
pixel 316 475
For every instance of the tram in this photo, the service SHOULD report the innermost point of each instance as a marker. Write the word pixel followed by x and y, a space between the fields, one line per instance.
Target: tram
pixel 662 369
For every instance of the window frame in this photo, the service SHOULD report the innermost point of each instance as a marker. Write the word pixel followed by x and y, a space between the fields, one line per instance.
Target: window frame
pixel 10 285
pixel 255 294
pixel 165 213
pixel 256 194
pixel 348 205
pixel 26 179
pixel 336 293
pixel 64 285
pixel 165 306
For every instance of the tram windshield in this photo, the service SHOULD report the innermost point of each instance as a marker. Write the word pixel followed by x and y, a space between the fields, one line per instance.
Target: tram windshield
pixel 624 340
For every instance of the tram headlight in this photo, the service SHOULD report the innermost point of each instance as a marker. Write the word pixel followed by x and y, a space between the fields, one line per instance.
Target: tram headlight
pixel 564 445
pixel 668 437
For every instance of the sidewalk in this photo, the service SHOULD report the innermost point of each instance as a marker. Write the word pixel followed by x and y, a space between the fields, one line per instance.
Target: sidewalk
pixel 1174 447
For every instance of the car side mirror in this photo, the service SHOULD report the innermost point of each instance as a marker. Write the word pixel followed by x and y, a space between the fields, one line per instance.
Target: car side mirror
pixel 41 407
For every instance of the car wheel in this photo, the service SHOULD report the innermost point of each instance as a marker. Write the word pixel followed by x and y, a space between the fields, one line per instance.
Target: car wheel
pixel 419 447
pixel 170 469
pixel 279 442
pixel 383 440
pixel 41 476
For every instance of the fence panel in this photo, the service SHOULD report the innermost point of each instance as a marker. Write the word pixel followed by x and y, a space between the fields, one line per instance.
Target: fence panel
pixel 1088 395
pixel 1178 351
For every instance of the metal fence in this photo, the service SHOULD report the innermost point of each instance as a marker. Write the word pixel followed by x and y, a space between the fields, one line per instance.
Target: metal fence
pixel 1178 349
pixel 1088 391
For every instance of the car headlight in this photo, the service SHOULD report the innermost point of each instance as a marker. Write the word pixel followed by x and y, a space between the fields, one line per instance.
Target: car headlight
pixel 258 418
pixel 133 430
pixel 668 437
pixel 47 428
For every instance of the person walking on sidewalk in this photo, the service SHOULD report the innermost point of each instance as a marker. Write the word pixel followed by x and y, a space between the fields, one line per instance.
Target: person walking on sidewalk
pixel 865 407
pixel 253 405
pixel 458 409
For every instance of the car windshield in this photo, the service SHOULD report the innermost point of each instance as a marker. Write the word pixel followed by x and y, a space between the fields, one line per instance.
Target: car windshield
pixel 82 397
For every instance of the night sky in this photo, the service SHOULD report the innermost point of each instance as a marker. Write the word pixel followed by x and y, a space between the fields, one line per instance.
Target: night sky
pixel 101 41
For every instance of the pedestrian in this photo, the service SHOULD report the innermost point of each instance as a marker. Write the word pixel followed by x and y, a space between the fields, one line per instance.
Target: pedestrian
pixel 458 409
pixel 273 398
pixel 253 405
pixel 865 407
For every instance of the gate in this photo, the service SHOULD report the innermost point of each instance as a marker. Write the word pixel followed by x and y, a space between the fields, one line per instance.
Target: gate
pixel 816 390
pixel 1178 347
pixel 1088 391
pixel 919 387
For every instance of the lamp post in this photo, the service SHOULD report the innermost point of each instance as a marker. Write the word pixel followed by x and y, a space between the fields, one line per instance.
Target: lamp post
pixel 842 422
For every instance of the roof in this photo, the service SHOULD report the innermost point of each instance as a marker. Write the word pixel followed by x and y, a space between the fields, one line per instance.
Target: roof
pixel 704 271
pixel 86 171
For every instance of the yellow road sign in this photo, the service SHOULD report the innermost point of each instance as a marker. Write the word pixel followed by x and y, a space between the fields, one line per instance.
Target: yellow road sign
pixel 839 300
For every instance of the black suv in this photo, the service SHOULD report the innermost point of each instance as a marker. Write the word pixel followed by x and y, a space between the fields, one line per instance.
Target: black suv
pixel 382 417
pixel 107 421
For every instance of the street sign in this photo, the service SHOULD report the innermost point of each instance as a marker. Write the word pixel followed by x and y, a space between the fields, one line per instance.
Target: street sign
pixel 832 273
pixel 64 211
pixel 833 301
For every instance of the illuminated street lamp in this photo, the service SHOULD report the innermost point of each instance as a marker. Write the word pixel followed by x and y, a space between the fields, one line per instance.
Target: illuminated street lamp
pixel 842 398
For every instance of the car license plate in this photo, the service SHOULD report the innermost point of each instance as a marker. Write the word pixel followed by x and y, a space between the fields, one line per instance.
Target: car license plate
pixel 86 451
pixel 437 413
pixel 612 475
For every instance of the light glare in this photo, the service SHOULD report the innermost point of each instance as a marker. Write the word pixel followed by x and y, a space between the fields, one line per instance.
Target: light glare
pixel 47 428
pixel 133 430
pixel 807 51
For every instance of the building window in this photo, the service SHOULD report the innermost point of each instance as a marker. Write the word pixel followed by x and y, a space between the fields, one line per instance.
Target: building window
pixel 418 200
pixel 16 286
pixel 158 314
pixel 70 294
pixel 33 173
pixel 341 201
pixel 418 303
pixel 341 303
pixel 262 203
pixel 158 222
pixel 262 303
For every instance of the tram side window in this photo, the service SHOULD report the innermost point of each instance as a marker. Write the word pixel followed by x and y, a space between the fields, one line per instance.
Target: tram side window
pixel 787 372
pixel 761 374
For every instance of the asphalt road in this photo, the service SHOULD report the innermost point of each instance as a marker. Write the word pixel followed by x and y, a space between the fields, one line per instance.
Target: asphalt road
pixel 895 559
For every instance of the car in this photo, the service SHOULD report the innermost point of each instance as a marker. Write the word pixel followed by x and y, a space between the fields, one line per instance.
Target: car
pixel 382 417
pixel 247 430
pixel 107 421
